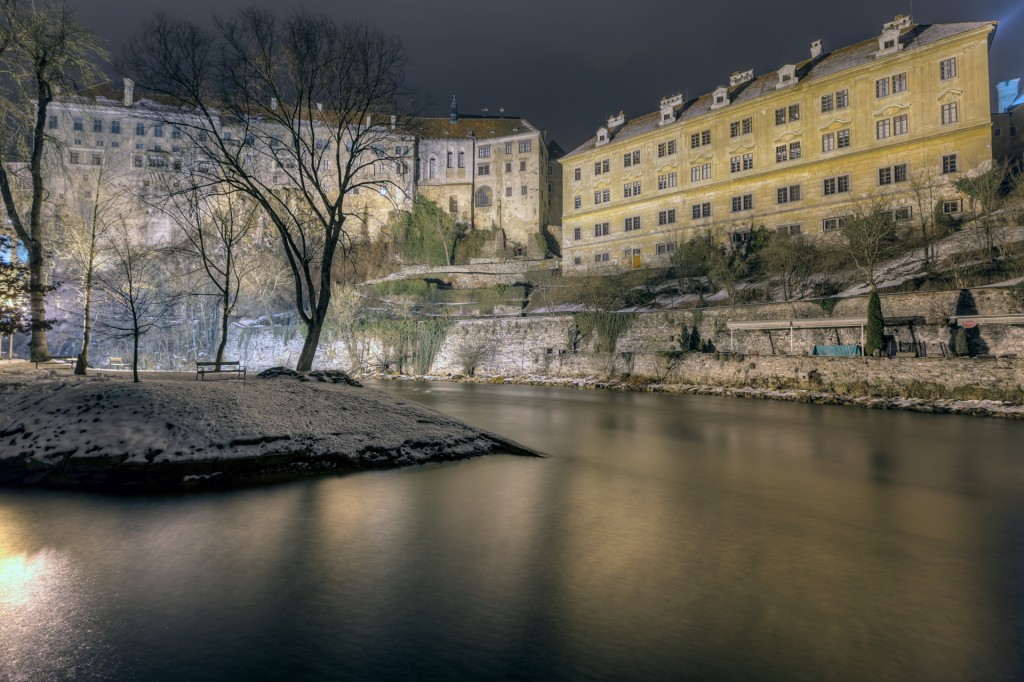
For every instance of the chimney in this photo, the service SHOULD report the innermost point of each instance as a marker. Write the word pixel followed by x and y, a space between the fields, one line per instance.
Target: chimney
pixel 739 77
pixel 129 92
pixel 453 112
pixel 393 119
pixel 617 121
pixel 368 120
pixel 817 47
pixel 273 104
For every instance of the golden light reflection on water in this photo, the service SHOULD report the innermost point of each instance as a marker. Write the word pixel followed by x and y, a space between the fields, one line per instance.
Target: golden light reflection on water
pixel 20 578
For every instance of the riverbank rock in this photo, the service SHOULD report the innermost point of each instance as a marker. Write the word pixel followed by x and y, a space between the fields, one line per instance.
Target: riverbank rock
pixel 106 432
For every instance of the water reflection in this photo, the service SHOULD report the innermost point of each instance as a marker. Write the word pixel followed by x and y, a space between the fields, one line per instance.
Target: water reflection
pixel 664 538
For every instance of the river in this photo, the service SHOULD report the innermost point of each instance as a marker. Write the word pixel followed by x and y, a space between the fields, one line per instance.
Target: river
pixel 664 537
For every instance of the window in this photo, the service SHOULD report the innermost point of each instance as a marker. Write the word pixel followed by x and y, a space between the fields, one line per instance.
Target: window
pixel 899 83
pixel 481 168
pixel 508 166
pixel 632 223
pixel 525 147
pixel 158 131
pixel 784 195
pixel 176 134
pixel 665 248
pixel 795 151
pixel 836 185
pixel 524 191
pixel 705 137
pixel 694 140
pixel 701 172
pixel 950 113
pixel 602 196
pixel 838 223
pixel 156 162
pixel 899 125
pixel 577 260
pixel 667 180
pixel 577 233
pixel 881 88
pixel 577 174
pixel 601 167
pixel 734 164
pixel 780 116
pixel 790 113
pixel 788 229
pixel 51 122
pixel 483 196
pixel 666 148
pixel 508 147
pixel 508 191
pixel 115 127
pixel 577 202
pixel 794 112
pixel 73 157
pixel 667 217
pixel 631 189
pixel 903 213
pixel 899 172
pixel 843 138
pixel 462 159
pixel 951 206
pixel 601 257
pixel 748 161
pixel 140 128
pixel 734 129
pixel 451 159
pixel 747 126
pixel 78 123
pixel 828 103
pixel 949 163
pixel 744 202
pixel 947 68
pixel 631 159
pixel 97 125
pixel 882 128
pixel 885 176
pixel 828 142
pixel 601 229
pixel 702 210
pixel 97 159
pixel 781 154
pixel 484 151
pixel 842 99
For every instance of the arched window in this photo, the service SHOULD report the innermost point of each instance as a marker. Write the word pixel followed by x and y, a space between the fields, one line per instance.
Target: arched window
pixel 462 159
pixel 484 196
pixel 451 159
pixel 433 168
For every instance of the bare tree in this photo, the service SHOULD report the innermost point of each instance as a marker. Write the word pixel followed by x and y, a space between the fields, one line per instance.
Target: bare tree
pixel 139 302
pixel 869 238
pixel 984 192
pixel 923 187
pixel 43 50
pixel 300 114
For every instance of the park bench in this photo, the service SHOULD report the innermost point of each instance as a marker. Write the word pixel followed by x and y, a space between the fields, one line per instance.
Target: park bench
pixel 227 366
pixel 60 361
pixel 118 363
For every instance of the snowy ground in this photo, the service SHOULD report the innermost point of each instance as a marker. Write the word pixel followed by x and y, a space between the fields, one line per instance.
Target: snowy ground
pixel 56 428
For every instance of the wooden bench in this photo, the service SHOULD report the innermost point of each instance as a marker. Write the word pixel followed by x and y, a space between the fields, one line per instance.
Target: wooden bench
pixel 118 363
pixel 227 366
pixel 62 361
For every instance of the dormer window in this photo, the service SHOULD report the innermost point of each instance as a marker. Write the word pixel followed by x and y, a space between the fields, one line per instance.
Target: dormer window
pixel 787 76
pixel 602 136
pixel 720 98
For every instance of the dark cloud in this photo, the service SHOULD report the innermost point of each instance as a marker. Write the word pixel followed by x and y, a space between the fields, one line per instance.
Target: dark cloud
pixel 565 65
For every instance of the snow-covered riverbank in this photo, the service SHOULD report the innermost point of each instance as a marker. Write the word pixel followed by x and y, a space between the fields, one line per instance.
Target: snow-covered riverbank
pixel 169 432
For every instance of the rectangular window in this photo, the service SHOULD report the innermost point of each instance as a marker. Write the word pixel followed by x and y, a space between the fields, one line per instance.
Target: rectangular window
pixel 601 229
pixel 78 125
pixel 694 140
pixel 842 99
pixel 899 83
pixel 780 116
pixel 784 195
pixel 97 159
pixel 951 206
pixel 601 167
pixel 702 210
pixel 899 125
pixel 525 147
pixel 899 172
pixel 508 166
pixel 577 233
pixel 885 176
pixel 734 164
pixel 51 122
pixel 903 213
pixel 97 125
pixel 781 154
pixel 523 191
pixel 508 148
pixel 632 223
pixel 947 68
pixel 843 183
pixel 158 131
pixel 601 257
pixel 522 165
pixel 950 113
pixel 666 148
pixel 795 151
pixel 828 142
pixel 705 137
pixel 828 186
pixel 747 126
pixel 577 174
pixel 176 135
pixel 115 127
pixel 949 163
pixel 748 161
pixel 663 181
pixel 882 129
pixel 838 223
pixel 140 128
pixel 744 202
pixel 734 129
pixel 881 88
pixel 665 248
pixel 577 202
pixel 137 161
pixel 794 112
pixel 483 169
pixel 73 158
pixel 827 103
pixel 843 138
pixel 667 217
pixel 483 151
pixel 508 191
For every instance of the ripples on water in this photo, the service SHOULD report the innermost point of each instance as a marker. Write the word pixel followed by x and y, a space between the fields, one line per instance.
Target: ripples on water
pixel 665 537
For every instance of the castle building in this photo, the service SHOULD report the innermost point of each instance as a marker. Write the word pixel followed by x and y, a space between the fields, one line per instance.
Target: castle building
pixel 486 171
pixel 798 150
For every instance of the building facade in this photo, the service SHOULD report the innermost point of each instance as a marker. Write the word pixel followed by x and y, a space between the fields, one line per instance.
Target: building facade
pixel 797 150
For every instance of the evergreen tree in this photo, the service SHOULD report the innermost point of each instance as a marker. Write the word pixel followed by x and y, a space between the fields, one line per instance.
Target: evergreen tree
pixel 961 347
pixel 874 340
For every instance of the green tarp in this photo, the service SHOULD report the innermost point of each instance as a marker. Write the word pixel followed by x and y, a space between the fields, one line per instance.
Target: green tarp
pixel 846 350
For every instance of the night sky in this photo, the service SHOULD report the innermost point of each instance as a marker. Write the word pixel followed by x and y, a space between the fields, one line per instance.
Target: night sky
pixel 566 65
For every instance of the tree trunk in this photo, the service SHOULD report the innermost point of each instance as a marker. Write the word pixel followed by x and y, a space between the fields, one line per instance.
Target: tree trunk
pixel 305 362
pixel 135 357
pixel 38 283
pixel 223 331
pixel 83 358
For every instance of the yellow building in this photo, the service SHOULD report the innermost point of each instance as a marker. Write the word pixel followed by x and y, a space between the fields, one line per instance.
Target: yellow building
pixel 795 150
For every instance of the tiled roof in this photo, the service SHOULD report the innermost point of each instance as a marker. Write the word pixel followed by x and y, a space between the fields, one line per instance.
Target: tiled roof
pixel 483 127
pixel 915 37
